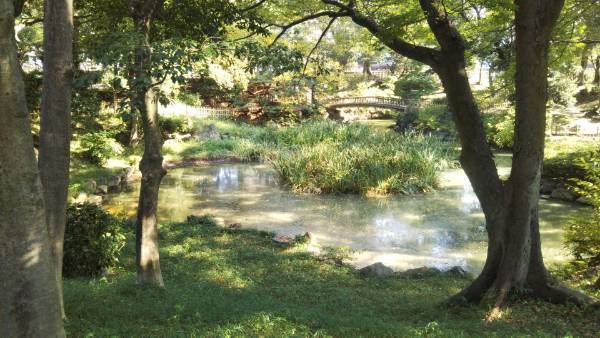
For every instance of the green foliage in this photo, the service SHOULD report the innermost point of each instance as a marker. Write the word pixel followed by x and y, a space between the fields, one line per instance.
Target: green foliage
pixel 561 89
pixel 434 117
pixel 415 85
pixel 100 146
pixel 175 124
pixel 499 129
pixel 226 283
pixel 93 241
pixel 582 236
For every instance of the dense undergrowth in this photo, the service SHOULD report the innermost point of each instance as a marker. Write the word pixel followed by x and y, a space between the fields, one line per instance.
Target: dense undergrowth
pixel 328 157
pixel 237 283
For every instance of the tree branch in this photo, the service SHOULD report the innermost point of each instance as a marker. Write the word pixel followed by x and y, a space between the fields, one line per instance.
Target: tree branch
pixel 422 54
pixel 318 42
pixel 285 28
pixel 254 6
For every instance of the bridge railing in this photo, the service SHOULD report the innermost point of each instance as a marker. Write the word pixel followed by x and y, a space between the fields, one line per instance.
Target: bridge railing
pixel 179 109
pixel 367 100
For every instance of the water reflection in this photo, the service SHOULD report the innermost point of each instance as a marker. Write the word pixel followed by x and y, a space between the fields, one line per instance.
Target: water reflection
pixel 442 229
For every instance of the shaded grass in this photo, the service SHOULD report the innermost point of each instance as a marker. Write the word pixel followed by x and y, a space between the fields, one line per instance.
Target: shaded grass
pixel 223 283
pixel 328 157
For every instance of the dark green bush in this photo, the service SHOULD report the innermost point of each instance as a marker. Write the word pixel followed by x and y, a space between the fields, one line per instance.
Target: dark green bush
pixel 499 128
pixel 99 147
pixel 93 240
pixel 175 124
pixel 583 235
pixel 561 89
pixel 435 117
pixel 415 85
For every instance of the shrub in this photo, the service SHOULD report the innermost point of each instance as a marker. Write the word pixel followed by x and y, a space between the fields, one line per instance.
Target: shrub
pixel 175 124
pixel 499 129
pixel 99 147
pixel 583 235
pixel 434 117
pixel 415 85
pixel 93 240
pixel 561 89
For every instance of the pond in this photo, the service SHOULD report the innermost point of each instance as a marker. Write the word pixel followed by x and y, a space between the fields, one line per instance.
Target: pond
pixel 441 229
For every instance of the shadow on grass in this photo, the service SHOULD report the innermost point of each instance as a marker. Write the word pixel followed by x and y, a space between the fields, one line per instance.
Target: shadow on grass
pixel 220 282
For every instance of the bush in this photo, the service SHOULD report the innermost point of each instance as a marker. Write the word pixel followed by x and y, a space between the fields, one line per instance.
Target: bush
pixel 93 240
pixel 99 147
pixel 499 129
pixel 561 89
pixel 435 117
pixel 583 235
pixel 415 85
pixel 175 124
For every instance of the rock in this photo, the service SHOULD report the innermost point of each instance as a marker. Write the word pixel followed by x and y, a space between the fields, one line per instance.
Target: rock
pixel 235 226
pixel 282 239
pixel 376 270
pixel 584 200
pixel 94 199
pixel 184 137
pixel 130 174
pixel 457 271
pixel 102 189
pixel 114 184
pixel 81 198
pixel 563 194
pixel 90 185
pixel 418 272
pixel 546 187
pixel 209 132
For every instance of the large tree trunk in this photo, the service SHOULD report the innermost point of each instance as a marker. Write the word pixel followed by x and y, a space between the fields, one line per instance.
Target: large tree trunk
pixel 510 207
pixel 29 295
pixel 514 254
pixel 55 125
pixel 146 102
pixel 597 71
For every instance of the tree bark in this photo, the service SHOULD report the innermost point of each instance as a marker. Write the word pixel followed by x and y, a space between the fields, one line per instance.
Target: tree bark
pixel 55 124
pixel 146 102
pixel 29 295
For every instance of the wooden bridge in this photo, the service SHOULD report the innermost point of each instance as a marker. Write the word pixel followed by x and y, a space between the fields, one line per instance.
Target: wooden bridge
pixel 369 101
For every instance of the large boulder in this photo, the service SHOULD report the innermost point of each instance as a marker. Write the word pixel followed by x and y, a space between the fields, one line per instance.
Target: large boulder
pixel 419 272
pixel 563 194
pixel 130 174
pixel 114 184
pixel 102 189
pixel 209 132
pixel 376 270
pixel 546 187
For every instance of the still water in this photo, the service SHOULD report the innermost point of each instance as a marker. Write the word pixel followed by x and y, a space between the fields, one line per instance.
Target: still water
pixel 442 229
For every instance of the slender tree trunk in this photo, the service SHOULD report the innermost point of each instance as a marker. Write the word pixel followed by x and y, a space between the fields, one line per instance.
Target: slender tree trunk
pixel 367 68
pixel 597 71
pixel 146 102
pixel 29 295
pixel 55 125
pixel 585 55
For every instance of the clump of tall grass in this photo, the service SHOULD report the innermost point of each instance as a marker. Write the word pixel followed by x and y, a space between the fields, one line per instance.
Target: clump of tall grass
pixel 327 157
pixel 354 159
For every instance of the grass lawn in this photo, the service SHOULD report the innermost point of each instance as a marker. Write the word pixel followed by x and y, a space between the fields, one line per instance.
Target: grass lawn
pixel 226 283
